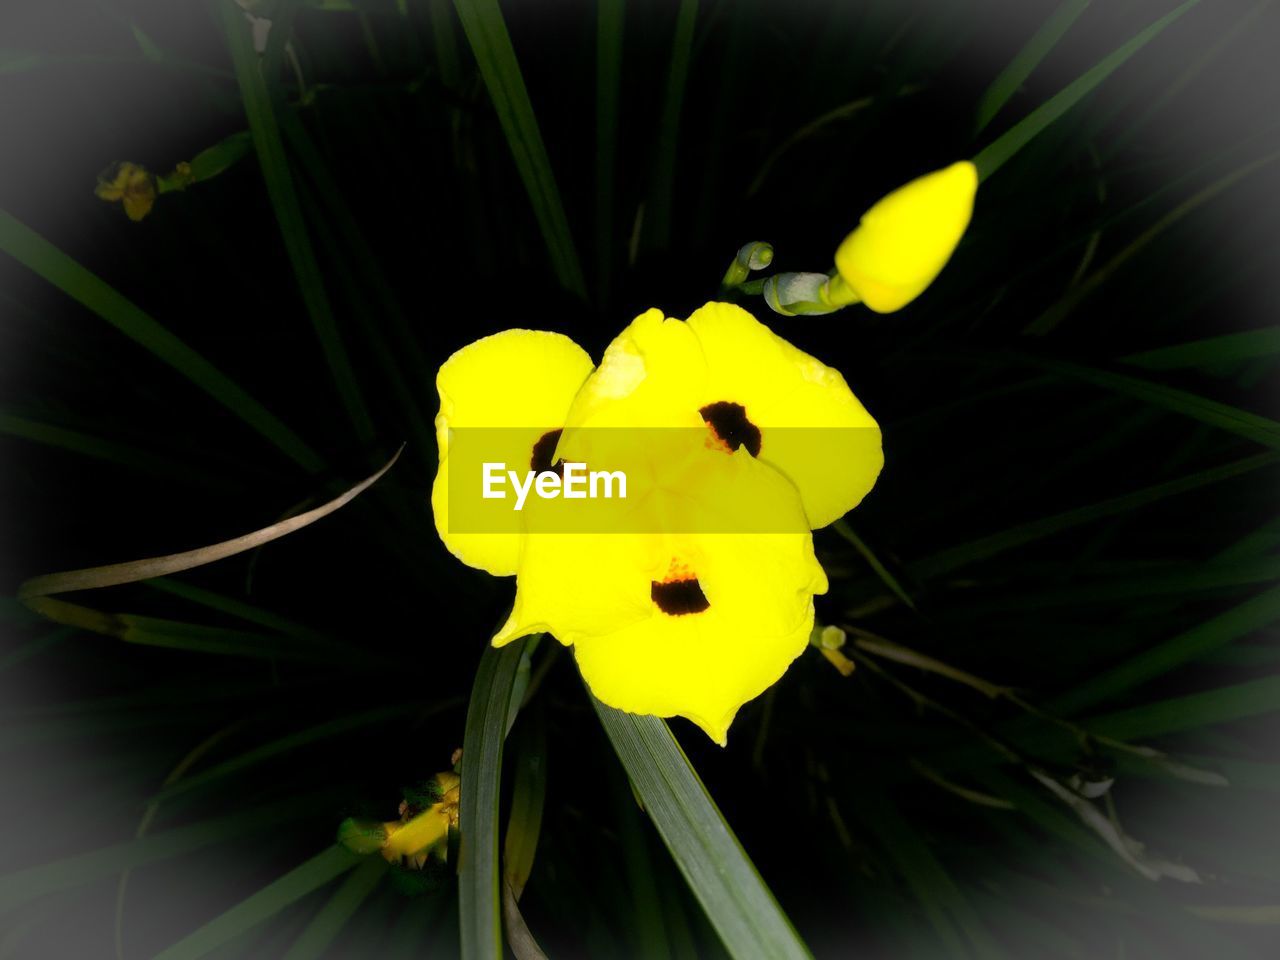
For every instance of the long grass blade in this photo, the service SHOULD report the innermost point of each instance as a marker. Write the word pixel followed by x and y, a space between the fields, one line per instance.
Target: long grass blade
pixel 284 200
pixel 609 26
pixel 341 907
pixel 1181 580
pixel 1027 59
pixel 26 885
pixel 1252 426
pixel 286 744
pixel 811 129
pixel 479 900
pixel 1047 321
pixel 651 936
pixel 950 914
pixel 954 557
pixel 444 43
pixel 737 902
pixel 658 216
pixel 263 905
pixel 1191 712
pixel 238 609
pixel 191 637
pixel 91 578
pixel 996 154
pixel 524 825
pixel 843 528
pixel 366 263
pixel 28 650
pixel 100 448
pixel 1253 614
pixel 1210 351
pixel 1242 25
pixel 357 259
pixel 52 265
pixel 190 759
pixel 486 31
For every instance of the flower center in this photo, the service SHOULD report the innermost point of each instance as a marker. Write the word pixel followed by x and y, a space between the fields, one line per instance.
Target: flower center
pixel 728 421
pixel 544 450
pixel 679 592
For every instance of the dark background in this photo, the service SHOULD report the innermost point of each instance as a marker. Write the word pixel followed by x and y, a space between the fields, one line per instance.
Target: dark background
pixel 978 439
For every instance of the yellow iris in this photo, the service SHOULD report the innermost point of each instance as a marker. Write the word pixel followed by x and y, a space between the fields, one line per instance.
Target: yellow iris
pixel 419 833
pixel 904 240
pixel 130 185
pixel 705 609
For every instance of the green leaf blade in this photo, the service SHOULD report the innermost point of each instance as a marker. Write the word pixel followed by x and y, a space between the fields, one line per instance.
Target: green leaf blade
pixel 992 157
pixel 1028 58
pixel 610 19
pixel 664 166
pixel 479 903
pixel 945 561
pixel 1253 614
pixel 1252 426
pixel 486 31
pixel 737 902
pixel 341 907
pixel 284 200
pixel 263 905
pixel 52 265
pixel 1210 351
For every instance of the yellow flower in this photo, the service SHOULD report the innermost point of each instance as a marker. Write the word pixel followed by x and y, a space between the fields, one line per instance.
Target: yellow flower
pixel 422 830
pixel 131 185
pixel 904 240
pixel 419 833
pixel 704 606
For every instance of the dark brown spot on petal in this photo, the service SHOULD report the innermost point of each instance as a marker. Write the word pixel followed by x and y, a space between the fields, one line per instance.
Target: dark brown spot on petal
pixel 728 421
pixel 678 597
pixel 544 450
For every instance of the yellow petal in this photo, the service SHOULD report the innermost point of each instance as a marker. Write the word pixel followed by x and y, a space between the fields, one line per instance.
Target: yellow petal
pixel 663 373
pixel 575 585
pixel 113 181
pixel 522 381
pixel 138 205
pixel 812 427
pixel 422 832
pixel 514 378
pixel 907 237
pixel 598 593
pixel 705 665
pixel 648 377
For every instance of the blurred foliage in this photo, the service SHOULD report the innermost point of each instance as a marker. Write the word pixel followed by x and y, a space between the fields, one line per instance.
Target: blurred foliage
pixel 1060 736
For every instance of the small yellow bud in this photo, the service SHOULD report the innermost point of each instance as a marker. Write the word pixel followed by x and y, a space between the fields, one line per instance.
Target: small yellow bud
pixel 831 638
pixel 905 239
pixel 427 814
pixel 131 185
pixel 828 640
pixel 182 177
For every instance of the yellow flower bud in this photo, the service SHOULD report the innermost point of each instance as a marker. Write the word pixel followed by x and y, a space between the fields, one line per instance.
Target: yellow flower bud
pixel 903 242
pixel 131 185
